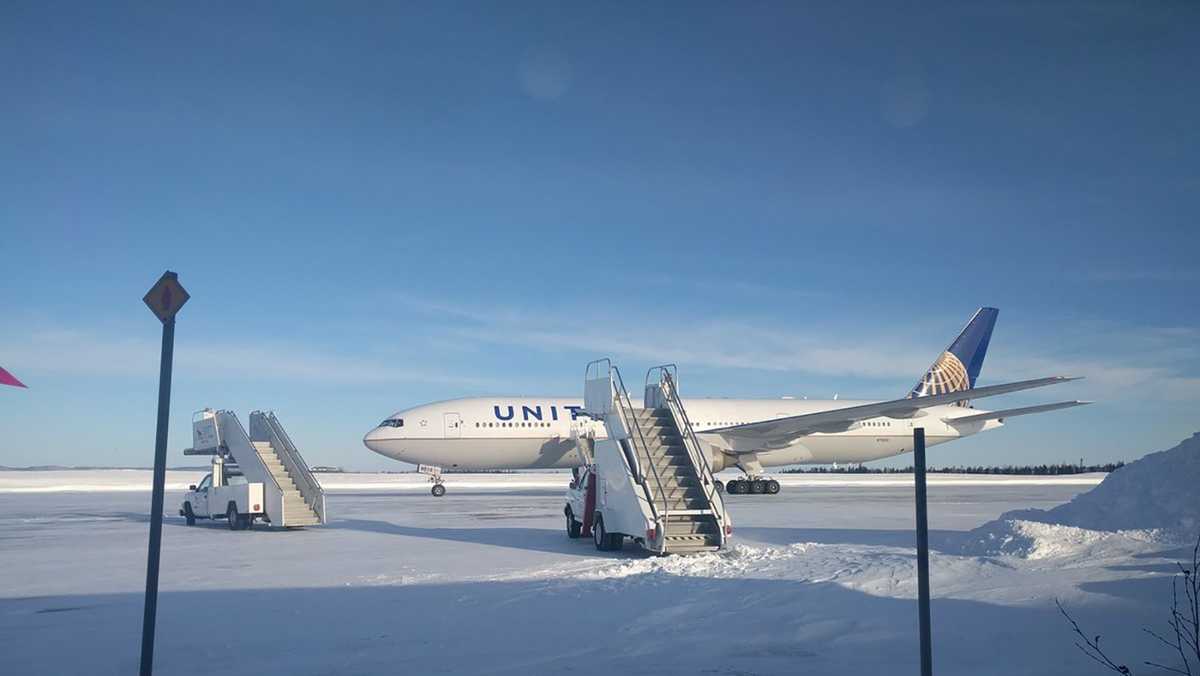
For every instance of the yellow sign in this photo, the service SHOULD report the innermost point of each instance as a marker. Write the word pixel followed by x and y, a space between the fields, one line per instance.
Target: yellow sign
pixel 166 296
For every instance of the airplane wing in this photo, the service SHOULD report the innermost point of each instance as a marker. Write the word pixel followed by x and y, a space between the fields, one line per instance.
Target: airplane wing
pixel 1013 412
pixel 7 378
pixel 782 431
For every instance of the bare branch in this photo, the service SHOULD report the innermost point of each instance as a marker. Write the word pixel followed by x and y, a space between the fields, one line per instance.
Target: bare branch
pixel 1171 669
pixel 1092 648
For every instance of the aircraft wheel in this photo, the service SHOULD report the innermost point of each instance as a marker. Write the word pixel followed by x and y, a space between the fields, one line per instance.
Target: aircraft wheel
pixel 188 515
pixel 758 486
pixel 772 486
pixel 438 490
pixel 734 487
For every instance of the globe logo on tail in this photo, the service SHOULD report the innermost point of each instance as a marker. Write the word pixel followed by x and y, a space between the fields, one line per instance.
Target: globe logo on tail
pixel 946 375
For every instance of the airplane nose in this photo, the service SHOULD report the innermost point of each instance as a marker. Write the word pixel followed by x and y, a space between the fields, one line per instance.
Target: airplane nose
pixel 373 439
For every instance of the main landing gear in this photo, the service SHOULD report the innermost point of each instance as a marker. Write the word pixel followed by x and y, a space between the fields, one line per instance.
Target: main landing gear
pixel 754 482
pixel 755 486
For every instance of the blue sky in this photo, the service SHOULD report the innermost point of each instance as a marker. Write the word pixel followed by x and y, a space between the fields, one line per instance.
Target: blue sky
pixel 379 206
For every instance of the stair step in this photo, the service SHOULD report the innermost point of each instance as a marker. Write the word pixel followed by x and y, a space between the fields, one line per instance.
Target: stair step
pixel 694 528
pixel 678 517
pixel 680 480
pixel 673 505
pixel 660 446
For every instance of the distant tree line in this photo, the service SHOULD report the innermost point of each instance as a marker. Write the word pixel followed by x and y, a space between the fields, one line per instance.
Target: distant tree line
pixel 1029 470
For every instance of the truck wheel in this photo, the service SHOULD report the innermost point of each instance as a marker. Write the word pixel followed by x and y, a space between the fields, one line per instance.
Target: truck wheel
pixel 188 515
pixel 438 490
pixel 615 542
pixel 574 528
pixel 599 537
pixel 235 521
pixel 719 486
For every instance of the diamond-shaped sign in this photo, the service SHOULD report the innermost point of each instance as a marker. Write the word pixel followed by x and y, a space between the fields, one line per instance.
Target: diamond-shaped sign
pixel 166 296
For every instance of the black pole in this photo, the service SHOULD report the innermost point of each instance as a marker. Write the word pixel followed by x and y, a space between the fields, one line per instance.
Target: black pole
pixel 922 552
pixel 156 497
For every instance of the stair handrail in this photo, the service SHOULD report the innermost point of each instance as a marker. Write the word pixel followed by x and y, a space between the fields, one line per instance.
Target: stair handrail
pixel 230 415
pixel 624 410
pixel 666 384
pixel 292 459
pixel 625 406
pixel 294 451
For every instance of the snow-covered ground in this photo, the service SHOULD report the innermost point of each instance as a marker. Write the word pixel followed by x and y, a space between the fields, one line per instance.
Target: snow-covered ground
pixel 484 580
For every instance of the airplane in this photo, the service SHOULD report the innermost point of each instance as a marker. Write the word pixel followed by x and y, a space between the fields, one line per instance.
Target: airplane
pixel 490 433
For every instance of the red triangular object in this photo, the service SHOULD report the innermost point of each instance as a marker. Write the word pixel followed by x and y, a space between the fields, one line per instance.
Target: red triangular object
pixel 7 378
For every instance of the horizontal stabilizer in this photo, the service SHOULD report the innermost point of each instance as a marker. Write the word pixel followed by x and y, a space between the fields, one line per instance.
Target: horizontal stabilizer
pixel 1013 412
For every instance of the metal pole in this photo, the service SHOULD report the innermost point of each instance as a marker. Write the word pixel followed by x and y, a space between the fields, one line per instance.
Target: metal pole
pixel 922 552
pixel 156 497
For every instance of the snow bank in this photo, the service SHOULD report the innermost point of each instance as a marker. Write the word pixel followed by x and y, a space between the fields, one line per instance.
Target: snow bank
pixel 1156 497
pixel 93 481
pixel 1037 540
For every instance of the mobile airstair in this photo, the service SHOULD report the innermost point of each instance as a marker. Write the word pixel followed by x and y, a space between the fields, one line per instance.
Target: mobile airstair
pixel 266 455
pixel 655 481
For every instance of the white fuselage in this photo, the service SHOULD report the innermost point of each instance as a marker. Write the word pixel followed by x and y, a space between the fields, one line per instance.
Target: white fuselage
pixel 540 432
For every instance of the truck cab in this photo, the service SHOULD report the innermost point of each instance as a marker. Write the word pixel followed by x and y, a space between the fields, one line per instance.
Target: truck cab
pixel 578 510
pixel 223 493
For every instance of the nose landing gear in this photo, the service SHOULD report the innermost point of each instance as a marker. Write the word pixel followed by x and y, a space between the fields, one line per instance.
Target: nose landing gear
pixel 435 478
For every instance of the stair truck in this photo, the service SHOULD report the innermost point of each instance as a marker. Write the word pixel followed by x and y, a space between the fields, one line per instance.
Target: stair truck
pixel 650 479
pixel 266 460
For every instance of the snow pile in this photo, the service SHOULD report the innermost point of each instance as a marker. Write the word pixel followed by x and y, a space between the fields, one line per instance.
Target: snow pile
pixel 1155 497
pixel 1038 540
pixel 731 562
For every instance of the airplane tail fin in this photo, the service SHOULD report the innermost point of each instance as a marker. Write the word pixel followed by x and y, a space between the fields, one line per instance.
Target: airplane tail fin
pixel 957 368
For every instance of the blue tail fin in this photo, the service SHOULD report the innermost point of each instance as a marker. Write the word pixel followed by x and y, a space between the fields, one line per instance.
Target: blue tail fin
pixel 958 367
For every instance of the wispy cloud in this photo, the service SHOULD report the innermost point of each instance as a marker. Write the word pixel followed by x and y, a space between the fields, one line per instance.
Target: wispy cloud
pixel 1118 362
pixel 82 353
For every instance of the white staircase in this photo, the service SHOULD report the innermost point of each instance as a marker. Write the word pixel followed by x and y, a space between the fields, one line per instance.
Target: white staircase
pixel 303 498
pixel 690 522
pixel 656 476
pixel 298 512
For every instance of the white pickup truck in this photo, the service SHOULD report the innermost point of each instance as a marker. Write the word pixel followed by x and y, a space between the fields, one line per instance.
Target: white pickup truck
pixel 223 494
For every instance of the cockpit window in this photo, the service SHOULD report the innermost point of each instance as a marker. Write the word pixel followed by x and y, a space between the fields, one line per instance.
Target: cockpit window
pixel 392 422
